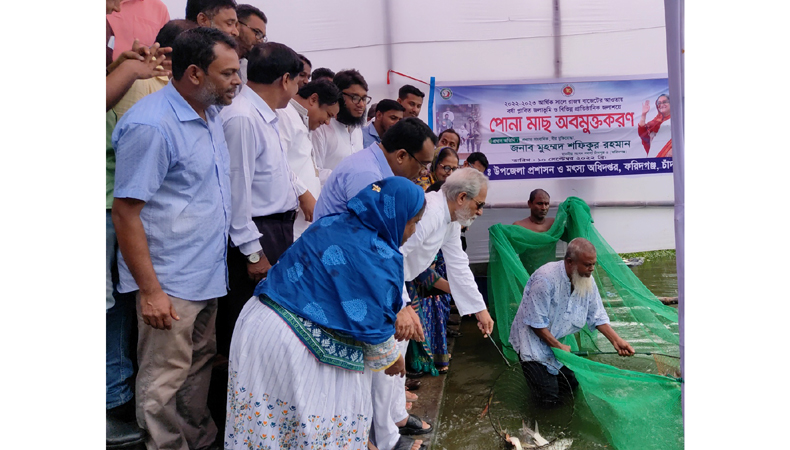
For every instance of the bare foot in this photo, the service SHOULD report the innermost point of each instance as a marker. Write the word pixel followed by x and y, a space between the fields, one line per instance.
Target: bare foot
pixel 416 445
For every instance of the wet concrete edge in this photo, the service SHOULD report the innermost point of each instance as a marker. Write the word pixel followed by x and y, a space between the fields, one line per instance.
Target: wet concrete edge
pixel 431 394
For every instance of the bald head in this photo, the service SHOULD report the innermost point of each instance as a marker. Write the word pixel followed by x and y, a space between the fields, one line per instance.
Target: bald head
pixel 536 192
pixel 579 247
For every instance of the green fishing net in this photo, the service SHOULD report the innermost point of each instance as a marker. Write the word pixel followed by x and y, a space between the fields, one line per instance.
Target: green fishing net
pixel 628 396
pixel 636 410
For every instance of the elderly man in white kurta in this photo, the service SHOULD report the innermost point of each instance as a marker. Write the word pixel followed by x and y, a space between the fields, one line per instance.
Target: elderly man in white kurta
pixel 314 105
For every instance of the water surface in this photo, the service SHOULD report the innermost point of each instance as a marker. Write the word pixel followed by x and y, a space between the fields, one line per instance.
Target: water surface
pixel 476 366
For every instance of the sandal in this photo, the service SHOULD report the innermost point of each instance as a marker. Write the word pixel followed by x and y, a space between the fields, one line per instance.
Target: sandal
pixel 406 443
pixel 414 426
pixel 412 385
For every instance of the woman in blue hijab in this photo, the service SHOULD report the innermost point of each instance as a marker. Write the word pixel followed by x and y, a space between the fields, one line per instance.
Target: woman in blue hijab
pixel 324 314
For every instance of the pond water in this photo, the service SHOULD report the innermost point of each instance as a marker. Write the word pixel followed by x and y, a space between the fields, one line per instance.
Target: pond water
pixel 477 366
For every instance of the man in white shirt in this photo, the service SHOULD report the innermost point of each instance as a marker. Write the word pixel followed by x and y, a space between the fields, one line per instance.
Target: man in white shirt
pixel 343 135
pixel 314 105
pixel 265 193
pixel 459 202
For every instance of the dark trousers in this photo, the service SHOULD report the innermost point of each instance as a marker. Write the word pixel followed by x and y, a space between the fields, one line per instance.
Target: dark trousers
pixel 548 390
pixel 278 235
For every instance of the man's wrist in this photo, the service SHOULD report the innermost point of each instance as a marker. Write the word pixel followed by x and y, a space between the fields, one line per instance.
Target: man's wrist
pixel 150 290
pixel 255 257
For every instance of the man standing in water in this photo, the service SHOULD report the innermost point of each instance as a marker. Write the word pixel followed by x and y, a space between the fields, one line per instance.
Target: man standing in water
pixel 559 299
pixel 538 206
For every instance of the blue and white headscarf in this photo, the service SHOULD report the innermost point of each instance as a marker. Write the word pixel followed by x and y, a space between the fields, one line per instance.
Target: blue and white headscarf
pixel 345 272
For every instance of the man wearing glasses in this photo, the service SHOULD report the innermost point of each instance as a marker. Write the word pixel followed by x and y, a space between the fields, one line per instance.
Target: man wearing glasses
pixel 252 30
pixel 343 135
pixel 457 204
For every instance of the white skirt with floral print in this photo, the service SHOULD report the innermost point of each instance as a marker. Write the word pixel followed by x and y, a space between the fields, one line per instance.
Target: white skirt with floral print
pixel 281 397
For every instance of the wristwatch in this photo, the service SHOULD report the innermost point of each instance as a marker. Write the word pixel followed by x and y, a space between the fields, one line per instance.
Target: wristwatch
pixel 253 258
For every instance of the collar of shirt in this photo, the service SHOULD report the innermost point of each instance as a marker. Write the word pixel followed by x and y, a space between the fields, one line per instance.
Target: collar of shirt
pixel 183 110
pixel 371 130
pixel 386 170
pixel 339 126
pixel 302 112
pixel 261 106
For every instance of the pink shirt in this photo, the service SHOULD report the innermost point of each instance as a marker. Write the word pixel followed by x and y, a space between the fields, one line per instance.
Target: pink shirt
pixel 138 19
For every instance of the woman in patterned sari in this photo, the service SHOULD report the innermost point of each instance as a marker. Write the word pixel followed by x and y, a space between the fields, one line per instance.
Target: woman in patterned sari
pixel 304 345
pixel 445 162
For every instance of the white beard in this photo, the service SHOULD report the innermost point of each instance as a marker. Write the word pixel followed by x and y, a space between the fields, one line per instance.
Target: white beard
pixel 465 217
pixel 582 285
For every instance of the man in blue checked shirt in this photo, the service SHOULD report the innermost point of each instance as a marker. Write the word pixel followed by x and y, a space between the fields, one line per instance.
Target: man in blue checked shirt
pixel 559 299
pixel 172 213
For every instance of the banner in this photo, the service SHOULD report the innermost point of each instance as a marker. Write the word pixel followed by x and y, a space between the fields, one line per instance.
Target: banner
pixel 555 130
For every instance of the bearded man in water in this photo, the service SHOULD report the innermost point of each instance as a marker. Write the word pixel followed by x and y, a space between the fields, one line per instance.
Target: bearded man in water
pixel 559 299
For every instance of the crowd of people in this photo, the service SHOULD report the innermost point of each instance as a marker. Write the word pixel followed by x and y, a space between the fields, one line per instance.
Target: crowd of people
pixel 263 216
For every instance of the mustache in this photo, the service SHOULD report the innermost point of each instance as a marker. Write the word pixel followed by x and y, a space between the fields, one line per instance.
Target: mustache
pixel 345 117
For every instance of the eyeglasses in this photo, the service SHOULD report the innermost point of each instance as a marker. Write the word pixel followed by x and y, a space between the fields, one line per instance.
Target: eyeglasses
pixel 479 204
pixel 665 102
pixel 423 167
pixel 356 98
pixel 448 169
pixel 259 35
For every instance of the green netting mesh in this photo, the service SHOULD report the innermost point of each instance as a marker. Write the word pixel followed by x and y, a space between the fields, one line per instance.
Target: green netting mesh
pixel 615 395
pixel 636 410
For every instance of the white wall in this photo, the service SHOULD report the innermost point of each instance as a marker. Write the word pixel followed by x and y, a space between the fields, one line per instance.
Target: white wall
pixel 467 40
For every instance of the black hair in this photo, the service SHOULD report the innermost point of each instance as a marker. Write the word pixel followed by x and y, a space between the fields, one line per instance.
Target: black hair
pixel 168 33
pixel 269 61
pixel 372 111
pixel 322 72
pixel 450 130
pixel 328 93
pixel 207 7
pixel 478 157
pixel 409 89
pixel 535 192
pixel 347 78
pixel 196 46
pixel 408 134
pixel 443 153
pixel 659 97
pixel 305 60
pixel 435 187
pixel 244 11
pixel 388 105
